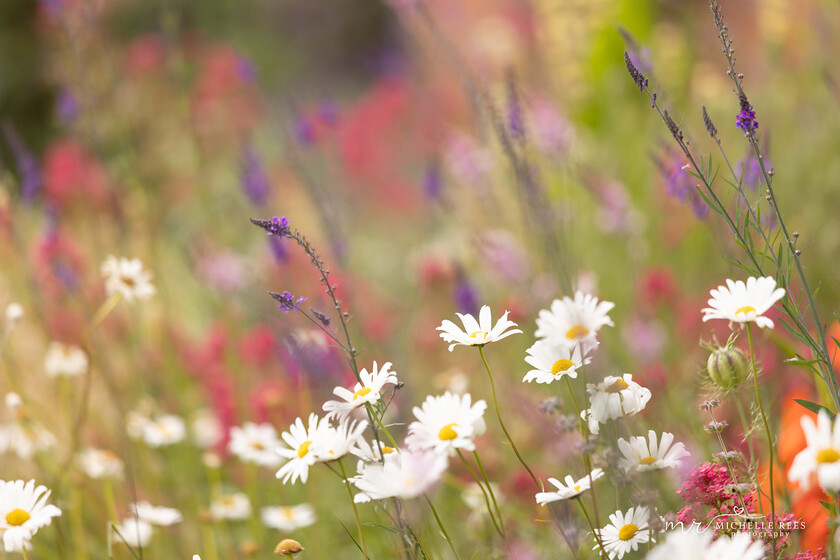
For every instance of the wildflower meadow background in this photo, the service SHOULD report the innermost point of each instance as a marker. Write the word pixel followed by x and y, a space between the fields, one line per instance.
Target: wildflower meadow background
pixel 419 279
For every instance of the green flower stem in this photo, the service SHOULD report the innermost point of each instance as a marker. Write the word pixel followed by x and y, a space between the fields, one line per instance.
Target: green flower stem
pixel 502 424
pixel 483 493
pixel 490 490
pixel 355 511
pixel 442 528
pixel 769 440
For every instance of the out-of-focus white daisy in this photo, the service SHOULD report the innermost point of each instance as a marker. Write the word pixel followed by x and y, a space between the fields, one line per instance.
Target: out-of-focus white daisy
pixel 206 429
pixel 370 451
pixel 288 518
pixel 551 361
pixel 14 313
pixel 591 422
pixel 24 439
pixel 100 463
pixel 336 442
pixel 300 453
pixel 401 475
pixel 615 397
pixel 234 507
pixel 368 391
pixel 127 277
pixel 821 456
pixel 574 322
pixel 625 532
pixel 256 443
pixel 133 532
pixel 65 360
pixel 690 544
pixel 651 454
pixel 473 497
pixel 744 303
pixel 446 423
pixel 570 489
pixel 476 333
pixel 156 515
pixel 23 511
pixel 166 429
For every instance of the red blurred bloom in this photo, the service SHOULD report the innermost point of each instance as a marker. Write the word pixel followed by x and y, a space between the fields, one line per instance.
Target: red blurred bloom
pixel 70 172
pixel 658 286
pixel 258 346
pixel 145 54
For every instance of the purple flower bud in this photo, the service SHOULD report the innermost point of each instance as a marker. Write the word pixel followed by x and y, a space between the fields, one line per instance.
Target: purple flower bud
pixel 255 183
pixel 287 301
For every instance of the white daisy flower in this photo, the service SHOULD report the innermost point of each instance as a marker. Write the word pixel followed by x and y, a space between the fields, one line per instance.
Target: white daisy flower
pixel 446 423
pixel 821 457
pixel 571 489
pixel 402 475
pixel 651 454
pixel 300 453
pixel 368 391
pixel 591 422
pixel 25 440
pixel 744 303
pixel 99 464
pixel 127 277
pixel 234 507
pixel 574 322
pixel 256 443
pixel 691 544
pixel 65 360
pixel 164 430
pixel 551 361
pixel 206 429
pixel 288 518
pixel 14 313
pixel 476 333
pixel 473 496
pixel 133 532
pixel 370 451
pixel 625 532
pixel 336 442
pixel 23 510
pixel 615 397
pixel 156 515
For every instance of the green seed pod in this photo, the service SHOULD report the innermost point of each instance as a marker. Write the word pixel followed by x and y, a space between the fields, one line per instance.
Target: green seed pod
pixel 728 367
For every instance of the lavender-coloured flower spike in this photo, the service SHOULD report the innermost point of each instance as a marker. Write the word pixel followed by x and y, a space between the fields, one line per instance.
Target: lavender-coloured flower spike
pixel 746 120
pixel 322 317
pixel 432 180
pixel 27 164
pixel 274 226
pixel 255 183
pixel 515 117
pixel 710 126
pixel 637 76
pixel 67 107
pixel 287 301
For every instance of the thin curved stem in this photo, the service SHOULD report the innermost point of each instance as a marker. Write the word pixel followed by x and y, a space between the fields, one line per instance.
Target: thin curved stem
pixel 355 511
pixel 442 528
pixel 490 490
pixel 483 493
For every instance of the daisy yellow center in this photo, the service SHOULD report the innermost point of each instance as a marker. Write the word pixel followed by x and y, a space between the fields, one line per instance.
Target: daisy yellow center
pixel 409 482
pixel 479 336
pixel 287 513
pixel 304 449
pixel 627 532
pixel 17 517
pixel 618 386
pixel 447 433
pixel 561 366
pixel 577 488
pixel 828 455
pixel 128 281
pixel 578 331
pixel 648 460
pixel 258 446
pixel 228 501
pixel 746 310
pixel 386 450
pixel 363 392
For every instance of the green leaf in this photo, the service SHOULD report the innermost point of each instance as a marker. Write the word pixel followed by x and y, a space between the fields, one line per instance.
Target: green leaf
pixel 376 525
pixel 816 408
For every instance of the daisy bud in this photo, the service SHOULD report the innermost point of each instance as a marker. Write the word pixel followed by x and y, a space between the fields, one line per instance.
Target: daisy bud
pixel 288 547
pixel 727 367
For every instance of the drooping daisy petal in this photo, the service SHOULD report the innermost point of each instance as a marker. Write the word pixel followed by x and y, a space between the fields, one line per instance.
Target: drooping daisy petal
pixel 476 333
pixel 651 454
pixel 570 489
pixel 368 391
pixel 744 303
pixel 615 397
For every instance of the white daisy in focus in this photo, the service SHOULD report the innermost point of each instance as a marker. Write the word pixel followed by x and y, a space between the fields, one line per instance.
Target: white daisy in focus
pixel 233 507
pixel 23 511
pixel 574 322
pixel 300 453
pixel 625 532
pixel 551 361
pixel 651 454
pixel 65 360
pixel 336 442
pixel 821 456
pixel 288 518
pixel 369 390
pixel 127 277
pixel 156 515
pixel 402 475
pixel 744 303
pixel 615 397
pixel 133 532
pixel 691 544
pixel 476 333
pixel 446 423
pixel 99 464
pixel 570 489
pixel 256 443
pixel 164 430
